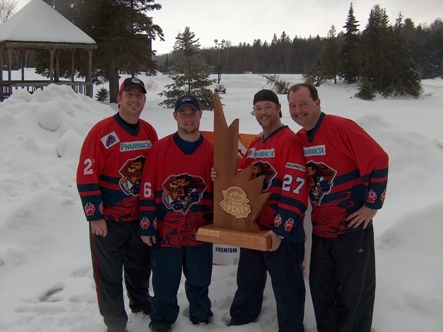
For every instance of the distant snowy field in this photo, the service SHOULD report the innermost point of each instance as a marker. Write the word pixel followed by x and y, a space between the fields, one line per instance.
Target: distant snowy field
pixel 45 271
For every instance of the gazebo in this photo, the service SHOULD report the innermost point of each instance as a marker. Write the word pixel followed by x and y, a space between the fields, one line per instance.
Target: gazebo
pixel 38 26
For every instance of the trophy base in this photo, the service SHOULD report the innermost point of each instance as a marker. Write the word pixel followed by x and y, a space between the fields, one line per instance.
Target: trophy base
pixel 248 240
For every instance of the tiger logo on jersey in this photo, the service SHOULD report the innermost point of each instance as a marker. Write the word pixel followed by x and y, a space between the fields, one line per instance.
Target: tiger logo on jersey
pixel 131 176
pixel 265 169
pixel 182 191
pixel 320 179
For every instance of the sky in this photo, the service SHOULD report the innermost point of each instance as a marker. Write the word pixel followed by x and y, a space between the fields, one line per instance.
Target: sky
pixel 45 268
pixel 239 21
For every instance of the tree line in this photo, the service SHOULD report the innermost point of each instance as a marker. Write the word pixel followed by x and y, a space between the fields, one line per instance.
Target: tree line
pixel 384 57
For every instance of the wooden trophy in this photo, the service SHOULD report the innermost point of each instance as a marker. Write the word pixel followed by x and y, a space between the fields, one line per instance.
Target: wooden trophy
pixel 238 199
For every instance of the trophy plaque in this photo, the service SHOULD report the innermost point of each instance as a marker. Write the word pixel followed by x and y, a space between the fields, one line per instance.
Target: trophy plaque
pixel 238 199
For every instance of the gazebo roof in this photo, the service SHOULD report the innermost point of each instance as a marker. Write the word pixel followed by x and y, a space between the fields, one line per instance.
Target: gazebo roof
pixel 39 25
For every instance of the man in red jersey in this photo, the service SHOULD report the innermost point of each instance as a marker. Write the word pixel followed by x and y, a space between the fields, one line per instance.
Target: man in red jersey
pixel 277 155
pixel 347 173
pixel 176 200
pixel 108 180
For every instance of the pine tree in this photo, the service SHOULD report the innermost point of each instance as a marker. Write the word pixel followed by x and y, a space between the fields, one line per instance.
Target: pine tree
pixel 434 49
pixel 348 56
pixel 365 90
pixel 405 77
pixel 122 31
pixel 280 85
pixel 387 65
pixel 189 73
pixel 102 95
pixel 328 58
pixel 376 51
pixel 311 73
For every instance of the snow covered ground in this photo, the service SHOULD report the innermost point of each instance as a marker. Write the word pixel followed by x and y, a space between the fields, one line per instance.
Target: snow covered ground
pixel 45 271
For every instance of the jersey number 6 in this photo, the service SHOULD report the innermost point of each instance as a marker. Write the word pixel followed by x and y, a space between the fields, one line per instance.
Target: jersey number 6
pixel 147 191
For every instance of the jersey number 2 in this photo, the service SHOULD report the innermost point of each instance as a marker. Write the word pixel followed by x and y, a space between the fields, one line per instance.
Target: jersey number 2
pixel 88 167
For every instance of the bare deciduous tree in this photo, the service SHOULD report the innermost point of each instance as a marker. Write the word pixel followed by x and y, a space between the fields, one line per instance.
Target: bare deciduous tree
pixel 7 8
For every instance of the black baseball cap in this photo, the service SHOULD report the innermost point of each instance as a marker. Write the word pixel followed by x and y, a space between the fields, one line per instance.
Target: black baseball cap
pixel 131 82
pixel 266 95
pixel 187 101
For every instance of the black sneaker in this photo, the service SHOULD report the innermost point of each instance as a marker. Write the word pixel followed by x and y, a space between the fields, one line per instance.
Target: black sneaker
pixel 144 307
pixel 154 328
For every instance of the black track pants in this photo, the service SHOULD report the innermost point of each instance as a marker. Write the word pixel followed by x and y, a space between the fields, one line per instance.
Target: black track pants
pixel 121 250
pixel 342 281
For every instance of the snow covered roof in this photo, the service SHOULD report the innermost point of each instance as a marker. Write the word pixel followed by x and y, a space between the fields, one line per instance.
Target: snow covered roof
pixel 37 22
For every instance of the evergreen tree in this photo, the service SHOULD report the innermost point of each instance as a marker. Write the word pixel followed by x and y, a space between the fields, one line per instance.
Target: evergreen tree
pixel 287 53
pixel 312 73
pixel 328 58
pixel 348 56
pixel 434 49
pixel 301 55
pixel 423 52
pixel 376 49
pixel 403 73
pixel 189 73
pixel 365 90
pixel 274 40
pixel 122 31
pixel 102 95
pixel 387 65
pixel 257 56
pixel 280 85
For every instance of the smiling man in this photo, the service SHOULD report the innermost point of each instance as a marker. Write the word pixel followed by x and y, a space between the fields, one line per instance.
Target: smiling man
pixel 108 180
pixel 276 155
pixel 347 175
pixel 177 200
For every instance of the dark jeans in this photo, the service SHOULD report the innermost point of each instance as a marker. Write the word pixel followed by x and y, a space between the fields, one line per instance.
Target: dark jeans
pixel 122 248
pixel 167 266
pixel 342 281
pixel 285 269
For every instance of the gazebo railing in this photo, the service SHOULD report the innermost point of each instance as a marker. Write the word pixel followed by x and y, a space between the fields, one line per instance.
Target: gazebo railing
pixel 7 87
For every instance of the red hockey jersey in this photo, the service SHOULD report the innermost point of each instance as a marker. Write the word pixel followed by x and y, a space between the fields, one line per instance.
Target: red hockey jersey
pixel 279 158
pixel 177 191
pixel 346 169
pixel 110 168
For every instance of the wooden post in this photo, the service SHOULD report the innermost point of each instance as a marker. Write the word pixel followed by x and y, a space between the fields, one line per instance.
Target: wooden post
pixel 22 64
pixel 51 64
pixel 89 75
pixel 1 73
pixel 57 65
pixel 10 50
pixel 238 199
pixel 72 64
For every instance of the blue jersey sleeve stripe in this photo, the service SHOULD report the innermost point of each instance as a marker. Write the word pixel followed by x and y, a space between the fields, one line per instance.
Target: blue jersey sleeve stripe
pixel 109 179
pixel 83 188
